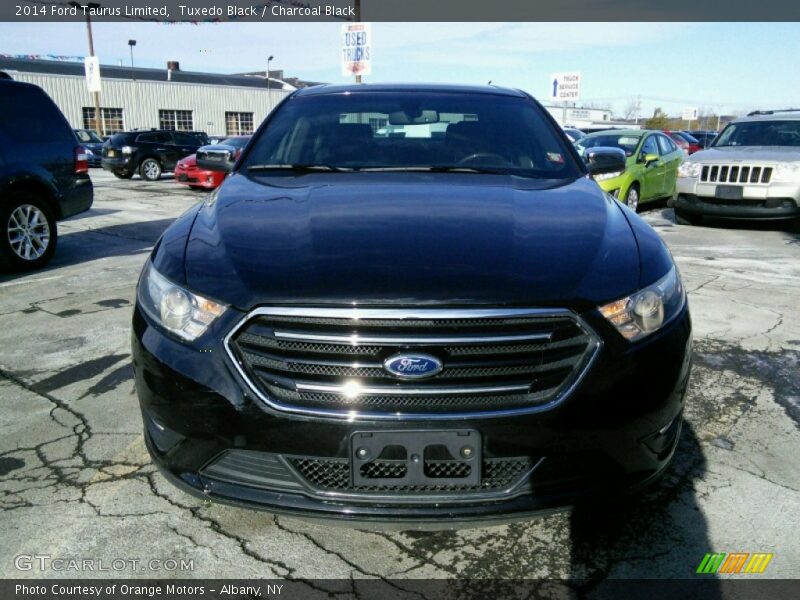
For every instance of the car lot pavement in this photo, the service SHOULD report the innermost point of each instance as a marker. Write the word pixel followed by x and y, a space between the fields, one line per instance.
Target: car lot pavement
pixel 76 482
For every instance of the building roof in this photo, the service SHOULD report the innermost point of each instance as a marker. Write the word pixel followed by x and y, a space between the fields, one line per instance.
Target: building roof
pixel 55 67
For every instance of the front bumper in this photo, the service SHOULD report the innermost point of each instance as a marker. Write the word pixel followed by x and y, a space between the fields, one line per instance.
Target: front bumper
pixel 198 178
pixel 773 201
pixel 616 432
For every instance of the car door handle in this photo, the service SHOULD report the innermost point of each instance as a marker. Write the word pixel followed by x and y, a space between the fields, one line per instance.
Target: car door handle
pixel 160 149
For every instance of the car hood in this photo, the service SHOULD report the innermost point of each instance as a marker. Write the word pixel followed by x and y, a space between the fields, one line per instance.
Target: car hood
pixel 410 239
pixel 748 153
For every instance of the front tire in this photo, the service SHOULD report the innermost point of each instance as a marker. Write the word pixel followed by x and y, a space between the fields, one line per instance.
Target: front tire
pixel 28 233
pixel 632 197
pixel 150 169
pixel 682 218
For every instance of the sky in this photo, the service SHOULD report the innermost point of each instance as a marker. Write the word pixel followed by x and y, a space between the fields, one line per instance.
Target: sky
pixel 726 68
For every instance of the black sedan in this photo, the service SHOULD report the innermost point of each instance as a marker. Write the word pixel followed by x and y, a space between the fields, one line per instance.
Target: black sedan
pixel 411 304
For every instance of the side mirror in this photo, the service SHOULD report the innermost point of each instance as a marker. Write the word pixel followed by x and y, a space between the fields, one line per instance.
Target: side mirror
pixel 602 160
pixel 216 158
pixel 650 158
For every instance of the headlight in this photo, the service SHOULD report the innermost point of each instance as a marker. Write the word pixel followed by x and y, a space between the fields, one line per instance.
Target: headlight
pixel 786 172
pixel 128 149
pixel 690 169
pixel 177 310
pixel 647 310
pixel 603 176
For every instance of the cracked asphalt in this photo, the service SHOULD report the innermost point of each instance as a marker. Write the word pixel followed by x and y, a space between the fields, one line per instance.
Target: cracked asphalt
pixel 76 481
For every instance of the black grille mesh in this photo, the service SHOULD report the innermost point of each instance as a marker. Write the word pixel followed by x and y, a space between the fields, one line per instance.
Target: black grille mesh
pixel 331 474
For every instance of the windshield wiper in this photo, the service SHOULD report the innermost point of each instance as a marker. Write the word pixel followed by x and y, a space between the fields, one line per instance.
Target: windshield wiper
pixel 440 169
pixel 298 167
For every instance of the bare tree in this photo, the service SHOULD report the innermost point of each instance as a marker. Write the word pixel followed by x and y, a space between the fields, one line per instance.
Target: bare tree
pixel 632 108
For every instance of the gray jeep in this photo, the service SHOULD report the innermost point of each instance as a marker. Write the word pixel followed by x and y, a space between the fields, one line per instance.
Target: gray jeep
pixel 750 171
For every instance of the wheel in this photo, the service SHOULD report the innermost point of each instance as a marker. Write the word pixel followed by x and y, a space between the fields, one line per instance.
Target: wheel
pixel 28 233
pixel 150 169
pixel 632 197
pixel 123 174
pixel 682 218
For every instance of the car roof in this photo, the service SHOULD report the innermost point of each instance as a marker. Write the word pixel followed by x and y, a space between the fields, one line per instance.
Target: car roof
pixel 792 114
pixel 630 132
pixel 320 90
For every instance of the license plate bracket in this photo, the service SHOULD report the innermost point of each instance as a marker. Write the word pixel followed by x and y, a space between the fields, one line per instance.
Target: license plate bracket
pixel 729 192
pixel 416 458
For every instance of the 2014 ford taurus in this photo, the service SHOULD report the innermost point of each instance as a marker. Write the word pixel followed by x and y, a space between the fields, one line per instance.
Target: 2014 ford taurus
pixel 411 304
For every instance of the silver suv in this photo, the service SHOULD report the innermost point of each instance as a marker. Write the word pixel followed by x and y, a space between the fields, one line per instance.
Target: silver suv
pixel 751 171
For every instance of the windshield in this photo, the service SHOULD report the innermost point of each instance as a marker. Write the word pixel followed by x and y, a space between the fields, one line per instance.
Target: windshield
pixel 623 141
pixel 760 133
pixel 236 142
pixel 88 136
pixel 413 130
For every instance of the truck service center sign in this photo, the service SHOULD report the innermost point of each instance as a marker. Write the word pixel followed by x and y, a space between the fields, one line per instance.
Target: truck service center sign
pixel 356 49
pixel 565 87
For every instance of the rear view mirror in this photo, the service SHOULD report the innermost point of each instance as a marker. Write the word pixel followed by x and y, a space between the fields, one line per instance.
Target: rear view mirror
pixel 602 160
pixel 216 158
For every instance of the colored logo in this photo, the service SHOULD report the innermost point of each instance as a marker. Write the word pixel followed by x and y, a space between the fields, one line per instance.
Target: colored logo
pixel 734 563
pixel 413 366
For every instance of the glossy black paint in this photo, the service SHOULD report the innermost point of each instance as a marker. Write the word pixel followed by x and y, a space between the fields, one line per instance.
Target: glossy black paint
pixel 408 240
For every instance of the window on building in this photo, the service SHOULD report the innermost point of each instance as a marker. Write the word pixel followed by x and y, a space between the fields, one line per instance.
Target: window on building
pixel 110 120
pixel 238 123
pixel 177 120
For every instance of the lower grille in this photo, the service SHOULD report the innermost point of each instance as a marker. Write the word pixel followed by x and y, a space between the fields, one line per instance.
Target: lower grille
pixel 331 361
pixel 333 474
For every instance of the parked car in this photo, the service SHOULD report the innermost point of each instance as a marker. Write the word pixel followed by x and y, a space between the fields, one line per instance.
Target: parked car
pixel 704 138
pixel 680 141
pixel 573 134
pixel 416 329
pixel 187 172
pixel 44 175
pixel 93 144
pixel 149 153
pixel 651 168
pixel 750 171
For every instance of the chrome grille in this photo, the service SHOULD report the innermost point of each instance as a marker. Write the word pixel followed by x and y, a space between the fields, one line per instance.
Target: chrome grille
pixel 744 174
pixel 330 361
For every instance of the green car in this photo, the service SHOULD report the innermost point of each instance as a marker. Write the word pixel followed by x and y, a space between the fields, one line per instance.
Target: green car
pixel 652 164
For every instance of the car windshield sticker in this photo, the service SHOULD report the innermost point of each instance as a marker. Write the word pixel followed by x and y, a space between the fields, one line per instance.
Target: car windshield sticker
pixel 555 157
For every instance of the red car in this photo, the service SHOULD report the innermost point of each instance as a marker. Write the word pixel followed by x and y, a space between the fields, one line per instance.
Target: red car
pixel 187 173
pixel 684 141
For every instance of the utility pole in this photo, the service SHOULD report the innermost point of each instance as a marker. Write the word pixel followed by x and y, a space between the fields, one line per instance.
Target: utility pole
pixel 358 20
pixel 88 11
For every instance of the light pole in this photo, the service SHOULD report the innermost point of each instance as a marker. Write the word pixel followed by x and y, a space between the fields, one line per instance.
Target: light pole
pixel 269 92
pixel 132 43
pixel 88 11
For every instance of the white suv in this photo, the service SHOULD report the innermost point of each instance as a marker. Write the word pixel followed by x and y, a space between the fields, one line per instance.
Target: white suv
pixel 751 171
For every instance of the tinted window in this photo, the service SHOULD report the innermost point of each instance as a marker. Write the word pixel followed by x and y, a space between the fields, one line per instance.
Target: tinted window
pixel 184 139
pixel 625 141
pixel 27 115
pixel 400 130
pixel 760 133
pixel 158 137
pixel 666 145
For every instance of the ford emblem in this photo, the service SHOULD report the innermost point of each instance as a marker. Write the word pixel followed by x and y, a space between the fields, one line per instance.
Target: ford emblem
pixel 413 366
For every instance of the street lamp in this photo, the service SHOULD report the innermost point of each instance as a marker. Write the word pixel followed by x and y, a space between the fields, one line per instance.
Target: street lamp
pixel 269 60
pixel 91 6
pixel 132 43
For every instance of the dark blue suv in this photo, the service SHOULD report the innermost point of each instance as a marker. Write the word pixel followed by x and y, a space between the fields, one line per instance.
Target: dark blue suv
pixel 44 175
pixel 411 304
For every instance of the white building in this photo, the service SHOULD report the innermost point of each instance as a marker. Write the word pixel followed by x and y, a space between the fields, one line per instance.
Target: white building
pixel 166 98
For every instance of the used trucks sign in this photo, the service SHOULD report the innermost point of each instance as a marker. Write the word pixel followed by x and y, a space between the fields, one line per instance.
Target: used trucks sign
pixel 356 49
